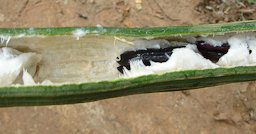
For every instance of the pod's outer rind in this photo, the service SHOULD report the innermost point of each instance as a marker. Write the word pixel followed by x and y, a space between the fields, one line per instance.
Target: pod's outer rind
pixel 86 92
pixel 207 29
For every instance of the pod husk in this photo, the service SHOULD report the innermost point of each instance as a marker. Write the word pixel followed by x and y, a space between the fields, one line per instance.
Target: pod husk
pixel 92 91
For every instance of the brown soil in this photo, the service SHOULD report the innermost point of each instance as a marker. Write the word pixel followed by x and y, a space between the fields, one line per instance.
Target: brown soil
pixel 217 11
pixel 222 109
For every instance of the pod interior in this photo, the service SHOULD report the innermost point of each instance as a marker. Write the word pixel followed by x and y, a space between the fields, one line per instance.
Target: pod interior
pixel 30 60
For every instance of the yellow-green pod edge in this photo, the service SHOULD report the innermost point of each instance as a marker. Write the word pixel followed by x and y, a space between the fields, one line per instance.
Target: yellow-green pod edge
pixel 93 91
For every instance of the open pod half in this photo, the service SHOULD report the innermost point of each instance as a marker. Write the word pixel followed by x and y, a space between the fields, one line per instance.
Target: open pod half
pixel 47 66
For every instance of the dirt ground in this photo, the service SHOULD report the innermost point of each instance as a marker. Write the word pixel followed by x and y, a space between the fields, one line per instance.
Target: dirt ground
pixel 222 109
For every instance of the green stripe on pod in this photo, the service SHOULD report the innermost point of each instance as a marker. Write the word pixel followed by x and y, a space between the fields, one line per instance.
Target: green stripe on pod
pixel 92 91
pixel 136 32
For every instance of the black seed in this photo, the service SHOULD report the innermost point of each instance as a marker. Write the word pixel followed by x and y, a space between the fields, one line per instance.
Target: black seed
pixel 120 69
pixel 151 54
pixel 225 45
pixel 213 53
pixel 146 62
pixel 250 51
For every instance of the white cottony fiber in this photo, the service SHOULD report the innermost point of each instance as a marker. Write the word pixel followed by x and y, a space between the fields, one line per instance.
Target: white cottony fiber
pixel 238 54
pixel 137 69
pixel 216 41
pixel 12 63
pixel 252 47
pixel 27 78
pixel 79 33
pixel 29 81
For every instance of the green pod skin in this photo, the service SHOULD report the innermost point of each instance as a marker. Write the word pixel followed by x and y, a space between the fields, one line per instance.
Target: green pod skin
pixel 92 91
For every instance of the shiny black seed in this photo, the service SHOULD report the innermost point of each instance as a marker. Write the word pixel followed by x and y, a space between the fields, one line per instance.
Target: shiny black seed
pixel 213 53
pixel 150 54
pixel 250 51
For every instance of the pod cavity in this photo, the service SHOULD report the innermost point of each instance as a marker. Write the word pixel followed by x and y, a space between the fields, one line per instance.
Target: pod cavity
pixel 202 53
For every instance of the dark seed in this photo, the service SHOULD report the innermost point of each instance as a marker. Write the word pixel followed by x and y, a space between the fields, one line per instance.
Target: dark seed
pixel 250 51
pixel 213 53
pixel 120 68
pixel 151 54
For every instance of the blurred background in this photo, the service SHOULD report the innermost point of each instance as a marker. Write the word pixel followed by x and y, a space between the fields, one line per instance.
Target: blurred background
pixel 222 109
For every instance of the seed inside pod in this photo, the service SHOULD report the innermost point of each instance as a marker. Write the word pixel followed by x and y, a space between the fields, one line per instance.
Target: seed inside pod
pixel 150 54
pixel 213 53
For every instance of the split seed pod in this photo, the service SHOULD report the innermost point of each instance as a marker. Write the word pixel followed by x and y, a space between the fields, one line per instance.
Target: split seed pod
pixel 74 65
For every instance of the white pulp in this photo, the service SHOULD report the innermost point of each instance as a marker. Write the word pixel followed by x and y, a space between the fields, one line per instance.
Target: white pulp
pixel 189 58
